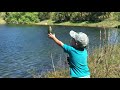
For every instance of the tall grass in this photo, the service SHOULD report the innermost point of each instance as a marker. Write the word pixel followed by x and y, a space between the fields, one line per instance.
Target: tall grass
pixel 104 61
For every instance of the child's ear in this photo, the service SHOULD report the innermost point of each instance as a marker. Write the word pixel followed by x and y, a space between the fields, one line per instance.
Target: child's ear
pixel 76 43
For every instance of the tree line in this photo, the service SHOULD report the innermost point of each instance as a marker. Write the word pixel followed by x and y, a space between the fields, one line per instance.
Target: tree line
pixel 57 17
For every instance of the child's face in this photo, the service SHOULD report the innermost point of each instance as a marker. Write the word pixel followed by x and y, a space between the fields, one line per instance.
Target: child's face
pixel 76 45
pixel 73 42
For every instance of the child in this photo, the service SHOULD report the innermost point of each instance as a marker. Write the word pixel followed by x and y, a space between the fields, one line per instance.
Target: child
pixel 77 54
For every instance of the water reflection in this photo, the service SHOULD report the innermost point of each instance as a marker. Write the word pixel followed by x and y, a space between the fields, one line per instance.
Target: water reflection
pixel 113 35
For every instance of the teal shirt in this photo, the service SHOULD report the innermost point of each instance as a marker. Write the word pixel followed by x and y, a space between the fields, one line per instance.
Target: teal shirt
pixel 77 61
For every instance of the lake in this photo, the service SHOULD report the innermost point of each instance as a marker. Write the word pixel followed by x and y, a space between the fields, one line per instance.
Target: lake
pixel 26 49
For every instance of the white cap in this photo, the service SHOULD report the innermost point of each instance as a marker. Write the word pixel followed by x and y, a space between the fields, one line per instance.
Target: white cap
pixel 80 37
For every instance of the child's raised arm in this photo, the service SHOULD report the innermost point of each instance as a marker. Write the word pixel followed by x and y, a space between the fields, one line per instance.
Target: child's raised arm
pixel 52 36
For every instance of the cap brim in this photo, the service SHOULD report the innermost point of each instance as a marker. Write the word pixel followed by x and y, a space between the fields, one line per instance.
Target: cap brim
pixel 72 34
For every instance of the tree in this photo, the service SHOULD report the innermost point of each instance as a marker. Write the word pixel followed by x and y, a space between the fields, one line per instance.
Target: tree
pixel 2 15
pixel 61 16
pixel 22 17
pixel 44 15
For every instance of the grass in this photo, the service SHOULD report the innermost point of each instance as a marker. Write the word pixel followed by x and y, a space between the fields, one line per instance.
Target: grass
pixel 2 21
pixel 58 74
pixel 105 23
pixel 45 22
pixel 105 63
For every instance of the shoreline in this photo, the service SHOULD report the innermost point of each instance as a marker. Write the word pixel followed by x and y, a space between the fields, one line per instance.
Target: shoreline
pixel 103 24
pixel 2 21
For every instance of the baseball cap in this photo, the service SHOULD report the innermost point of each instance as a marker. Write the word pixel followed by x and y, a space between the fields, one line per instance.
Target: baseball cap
pixel 80 37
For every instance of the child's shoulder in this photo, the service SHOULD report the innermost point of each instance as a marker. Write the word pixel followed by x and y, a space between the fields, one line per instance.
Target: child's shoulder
pixel 69 46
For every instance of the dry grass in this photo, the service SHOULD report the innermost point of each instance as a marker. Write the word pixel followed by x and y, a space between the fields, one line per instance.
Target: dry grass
pixel 58 74
pixel 105 63
pixel 2 21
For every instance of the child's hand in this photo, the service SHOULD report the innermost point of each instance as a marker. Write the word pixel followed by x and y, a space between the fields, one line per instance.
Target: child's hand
pixel 51 35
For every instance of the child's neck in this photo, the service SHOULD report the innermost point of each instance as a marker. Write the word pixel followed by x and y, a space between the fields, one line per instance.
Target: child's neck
pixel 80 49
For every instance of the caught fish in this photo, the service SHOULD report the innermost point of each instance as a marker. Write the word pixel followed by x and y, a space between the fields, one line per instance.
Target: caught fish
pixel 50 30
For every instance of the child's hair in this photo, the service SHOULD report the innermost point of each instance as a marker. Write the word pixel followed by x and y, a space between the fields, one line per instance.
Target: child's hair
pixel 79 46
pixel 81 40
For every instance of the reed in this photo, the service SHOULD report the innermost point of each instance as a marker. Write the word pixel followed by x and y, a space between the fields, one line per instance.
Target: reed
pixel 104 62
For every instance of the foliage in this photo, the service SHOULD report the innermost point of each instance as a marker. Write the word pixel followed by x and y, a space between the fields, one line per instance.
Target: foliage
pixel 22 17
pixel 61 16
pixel 44 15
pixel 2 15
pixel 116 16
pixel 57 17
pixel 79 16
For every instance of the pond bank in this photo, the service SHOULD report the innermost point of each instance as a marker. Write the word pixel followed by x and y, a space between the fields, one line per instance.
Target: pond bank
pixel 105 23
pixel 2 21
